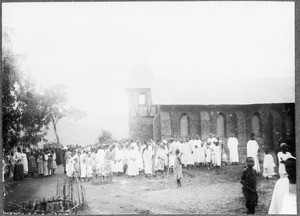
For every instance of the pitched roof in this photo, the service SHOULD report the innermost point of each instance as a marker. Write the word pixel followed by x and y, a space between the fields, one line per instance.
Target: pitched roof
pixel 223 91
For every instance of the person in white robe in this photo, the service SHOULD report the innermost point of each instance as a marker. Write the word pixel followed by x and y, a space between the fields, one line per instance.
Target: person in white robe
pixel 208 154
pixel 211 140
pixel 112 158
pixel 160 157
pixel 54 161
pixel 89 166
pixel 83 165
pixel 284 197
pixel 209 148
pixel 45 168
pixel 132 169
pixel 119 160
pixel 202 153
pixel 232 144
pixel 25 162
pixel 252 151
pixel 217 154
pixel 172 155
pixel 268 165
pixel 100 161
pixel 70 165
pixel 190 151
pixel 282 156
pixel 196 150
pixel 147 158
pixel 166 149
pixel 139 160
pixel 185 152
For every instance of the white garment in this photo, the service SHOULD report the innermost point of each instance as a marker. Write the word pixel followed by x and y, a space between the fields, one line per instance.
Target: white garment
pixel 83 165
pixel 211 140
pixel 268 165
pixel 252 148
pixel 233 149
pixel 25 163
pixel 119 160
pixel 139 160
pixel 147 157
pixel 70 166
pixel 208 154
pixel 202 153
pixel 89 166
pixel 197 151
pixel 100 161
pixel 283 202
pixel 160 159
pixel 217 155
pixel 172 156
pixel 282 157
pixel 190 156
pixel 132 169
pixel 166 150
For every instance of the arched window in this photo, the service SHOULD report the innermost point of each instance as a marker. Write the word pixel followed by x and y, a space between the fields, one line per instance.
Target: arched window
pixel 221 125
pixel 256 124
pixel 289 126
pixel 184 126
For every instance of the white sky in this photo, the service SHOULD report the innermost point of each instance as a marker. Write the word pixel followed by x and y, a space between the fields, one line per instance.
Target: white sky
pixel 93 47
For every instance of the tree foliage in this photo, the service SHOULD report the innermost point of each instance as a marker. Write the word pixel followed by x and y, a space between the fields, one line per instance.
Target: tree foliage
pixel 10 82
pixel 56 103
pixel 26 111
pixel 105 136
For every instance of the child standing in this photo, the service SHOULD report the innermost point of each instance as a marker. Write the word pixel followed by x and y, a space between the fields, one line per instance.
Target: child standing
pixel 249 186
pixel 268 165
pixel 178 168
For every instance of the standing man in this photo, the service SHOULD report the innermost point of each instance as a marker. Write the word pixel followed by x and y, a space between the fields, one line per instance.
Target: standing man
pixel 233 149
pixel 252 151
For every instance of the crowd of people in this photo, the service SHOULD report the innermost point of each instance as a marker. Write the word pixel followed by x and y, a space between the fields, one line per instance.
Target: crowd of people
pixel 151 158
pixel 25 163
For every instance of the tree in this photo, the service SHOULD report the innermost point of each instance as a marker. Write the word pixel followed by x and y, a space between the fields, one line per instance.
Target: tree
pixel 34 119
pixel 23 114
pixel 105 136
pixel 56 103
pixel 10 82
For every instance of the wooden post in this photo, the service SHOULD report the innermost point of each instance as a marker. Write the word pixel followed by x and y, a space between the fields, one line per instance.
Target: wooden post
pixel 64 195
pixel 72 192
pixel 82 193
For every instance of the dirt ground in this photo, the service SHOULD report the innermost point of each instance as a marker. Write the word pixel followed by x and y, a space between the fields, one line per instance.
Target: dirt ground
pixel 203 191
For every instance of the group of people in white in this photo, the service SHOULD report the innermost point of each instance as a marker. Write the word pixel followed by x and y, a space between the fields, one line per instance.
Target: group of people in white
pixel 131 157
pixel 153 158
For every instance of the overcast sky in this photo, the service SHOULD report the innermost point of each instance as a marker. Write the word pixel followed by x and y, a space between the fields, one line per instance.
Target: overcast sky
pixel 92 48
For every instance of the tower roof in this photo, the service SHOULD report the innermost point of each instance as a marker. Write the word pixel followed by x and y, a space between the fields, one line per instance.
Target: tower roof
pixel 141 75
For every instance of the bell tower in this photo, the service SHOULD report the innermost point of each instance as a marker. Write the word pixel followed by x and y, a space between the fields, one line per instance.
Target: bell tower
pixel 141 109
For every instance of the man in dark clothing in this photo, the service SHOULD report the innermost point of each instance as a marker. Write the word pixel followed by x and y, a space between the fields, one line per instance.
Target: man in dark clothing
pixel 249 186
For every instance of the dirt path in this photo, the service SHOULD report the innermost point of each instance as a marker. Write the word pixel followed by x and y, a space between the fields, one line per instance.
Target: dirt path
pixel 202 192
pixel 31 188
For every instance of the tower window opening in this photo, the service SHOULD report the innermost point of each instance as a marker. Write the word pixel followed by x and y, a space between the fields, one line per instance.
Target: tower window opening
pixel 142 99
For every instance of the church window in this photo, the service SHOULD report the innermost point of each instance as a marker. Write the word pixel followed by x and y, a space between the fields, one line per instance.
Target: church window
pixel 184 132
pixel 256 124
pixel 221 126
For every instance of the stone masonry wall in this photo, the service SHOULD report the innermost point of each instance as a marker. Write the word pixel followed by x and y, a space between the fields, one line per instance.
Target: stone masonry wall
pixel 203 120
pixel 141 128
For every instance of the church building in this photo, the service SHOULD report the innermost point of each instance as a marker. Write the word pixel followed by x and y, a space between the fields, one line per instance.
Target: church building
pixel 186 107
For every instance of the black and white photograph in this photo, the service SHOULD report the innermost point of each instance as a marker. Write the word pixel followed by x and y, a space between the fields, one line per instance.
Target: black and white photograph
pixel 148 107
